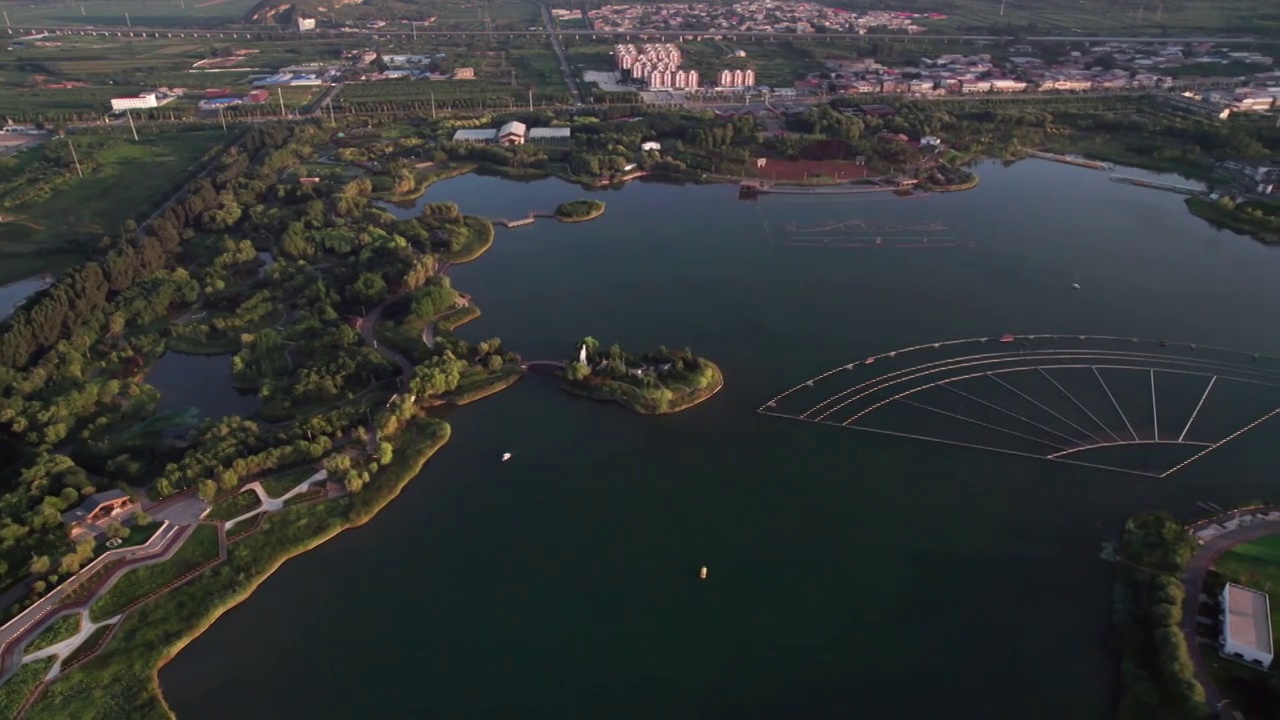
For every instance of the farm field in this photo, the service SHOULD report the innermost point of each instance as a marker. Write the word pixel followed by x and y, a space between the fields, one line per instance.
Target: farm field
pixel 1119 16
pixel 125 179
pixel 142 13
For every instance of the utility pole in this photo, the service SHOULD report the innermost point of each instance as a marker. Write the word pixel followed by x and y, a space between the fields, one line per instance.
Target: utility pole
pixel 331 118
pixel 530 99
pixel 126 18
pixel 280 94
pixel 413 25
pixel 222 119
pixel 6 19
pixel 433 106
pixel 76 159
pixel 131 127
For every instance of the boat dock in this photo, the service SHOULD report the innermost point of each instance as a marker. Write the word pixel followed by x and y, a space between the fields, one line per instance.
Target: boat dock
pixel 1071 160
pixel 1157 185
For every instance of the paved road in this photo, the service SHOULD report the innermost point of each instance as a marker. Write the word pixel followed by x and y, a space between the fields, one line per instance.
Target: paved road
pixel 559 48
pixel 1198 568
pixel 367 325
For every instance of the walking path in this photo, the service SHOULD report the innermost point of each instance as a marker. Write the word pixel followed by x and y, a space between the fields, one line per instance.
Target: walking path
pixel 21 630
pixel 66 647
pixel 1219 535
pixel 270 504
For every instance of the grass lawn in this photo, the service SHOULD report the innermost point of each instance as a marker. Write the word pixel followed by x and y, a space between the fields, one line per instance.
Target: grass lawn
pixel 132 177
pixel 15 691
pixel 137 536
pixel 61 629
pixel 234 506
pixel 201 547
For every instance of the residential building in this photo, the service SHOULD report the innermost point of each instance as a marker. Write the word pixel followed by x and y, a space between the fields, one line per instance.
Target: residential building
pixel 140 101
pixel 736 78
pixel 1246 625
pixel 464 73
pixel 305 23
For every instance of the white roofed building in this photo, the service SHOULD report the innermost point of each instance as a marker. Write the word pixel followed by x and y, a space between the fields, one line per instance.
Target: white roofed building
pixel 1246 626
pixel 484 135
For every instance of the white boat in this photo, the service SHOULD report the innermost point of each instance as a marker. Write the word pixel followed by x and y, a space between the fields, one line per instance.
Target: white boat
pixel 1075 286
pixel 506 457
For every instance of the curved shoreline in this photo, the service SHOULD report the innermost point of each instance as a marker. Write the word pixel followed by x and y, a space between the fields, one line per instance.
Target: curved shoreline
pixel 355 521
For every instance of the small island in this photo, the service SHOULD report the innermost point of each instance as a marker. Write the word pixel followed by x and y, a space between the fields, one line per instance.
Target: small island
pixel 580 210
pixel 656 383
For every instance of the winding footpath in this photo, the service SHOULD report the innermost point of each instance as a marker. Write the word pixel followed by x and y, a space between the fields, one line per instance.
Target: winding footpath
pixel 21 630
pixel 270 504
pixel 1219 534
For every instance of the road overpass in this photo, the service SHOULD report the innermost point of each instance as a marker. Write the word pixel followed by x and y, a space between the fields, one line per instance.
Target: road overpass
pixel 264 33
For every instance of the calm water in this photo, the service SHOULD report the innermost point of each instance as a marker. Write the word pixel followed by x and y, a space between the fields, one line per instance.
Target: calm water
pixel 15 293
pixel 202 382
pixel 851 575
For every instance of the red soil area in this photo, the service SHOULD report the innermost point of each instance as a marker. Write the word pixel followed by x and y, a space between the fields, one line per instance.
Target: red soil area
pixel 796 170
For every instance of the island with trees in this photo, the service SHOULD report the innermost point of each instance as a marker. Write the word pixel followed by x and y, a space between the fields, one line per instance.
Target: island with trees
pixel 656 383
pixel 1259 219
pixel 580 210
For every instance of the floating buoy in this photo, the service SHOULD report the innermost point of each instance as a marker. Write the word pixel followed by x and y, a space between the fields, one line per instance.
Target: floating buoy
pixel 702 574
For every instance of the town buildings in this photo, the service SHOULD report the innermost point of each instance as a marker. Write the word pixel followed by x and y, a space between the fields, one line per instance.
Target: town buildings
pixel 1246 625
pixel 752 16
pixel 655 64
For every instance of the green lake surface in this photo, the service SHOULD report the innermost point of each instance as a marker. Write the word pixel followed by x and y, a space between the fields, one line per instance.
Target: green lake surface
pixel 852 575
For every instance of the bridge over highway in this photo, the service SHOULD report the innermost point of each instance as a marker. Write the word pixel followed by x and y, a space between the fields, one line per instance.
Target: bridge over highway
pixel 265 33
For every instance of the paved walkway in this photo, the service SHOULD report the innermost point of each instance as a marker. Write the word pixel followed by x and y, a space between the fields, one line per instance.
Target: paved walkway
pixel 270 504
pixel 1234 528
pixel 367 325
pixel 19 632
pixel 66 647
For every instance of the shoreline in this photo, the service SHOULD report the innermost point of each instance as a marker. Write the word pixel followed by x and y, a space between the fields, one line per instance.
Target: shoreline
pixel 593 216
pixel 354 521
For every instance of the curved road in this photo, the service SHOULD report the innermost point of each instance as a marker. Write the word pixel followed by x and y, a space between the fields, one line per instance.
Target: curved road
pixel 367 325
pixel 1198 569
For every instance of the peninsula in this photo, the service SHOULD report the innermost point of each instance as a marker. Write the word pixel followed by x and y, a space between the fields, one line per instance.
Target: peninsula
pixel 656 383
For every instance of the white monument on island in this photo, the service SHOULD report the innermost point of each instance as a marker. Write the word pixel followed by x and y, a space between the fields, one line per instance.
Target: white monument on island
pixel 582 354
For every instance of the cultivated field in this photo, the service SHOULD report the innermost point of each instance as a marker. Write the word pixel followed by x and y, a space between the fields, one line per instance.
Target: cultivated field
pixel 126 178
pixel 142 13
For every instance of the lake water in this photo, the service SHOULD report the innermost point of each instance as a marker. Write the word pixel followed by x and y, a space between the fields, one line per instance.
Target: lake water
pixel 202 382
pixel 851 574
pixel 15 293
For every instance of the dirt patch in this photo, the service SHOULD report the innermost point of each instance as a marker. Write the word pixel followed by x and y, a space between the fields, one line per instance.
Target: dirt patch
pixel 800 170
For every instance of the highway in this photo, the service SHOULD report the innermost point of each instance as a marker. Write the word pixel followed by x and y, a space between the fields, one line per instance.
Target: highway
pixel 564 60
pixel 263 32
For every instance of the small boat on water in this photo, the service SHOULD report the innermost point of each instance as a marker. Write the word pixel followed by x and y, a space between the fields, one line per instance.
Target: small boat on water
pixel 506 457
pixel 702 574
pixel 1075 286
pixel 1006 338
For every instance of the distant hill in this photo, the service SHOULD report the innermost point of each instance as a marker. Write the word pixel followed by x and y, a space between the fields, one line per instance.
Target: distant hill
pixel 283 12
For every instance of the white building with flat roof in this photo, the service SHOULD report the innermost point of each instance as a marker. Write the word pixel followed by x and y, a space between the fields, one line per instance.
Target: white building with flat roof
pixel 137 102
pixel 1246 626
